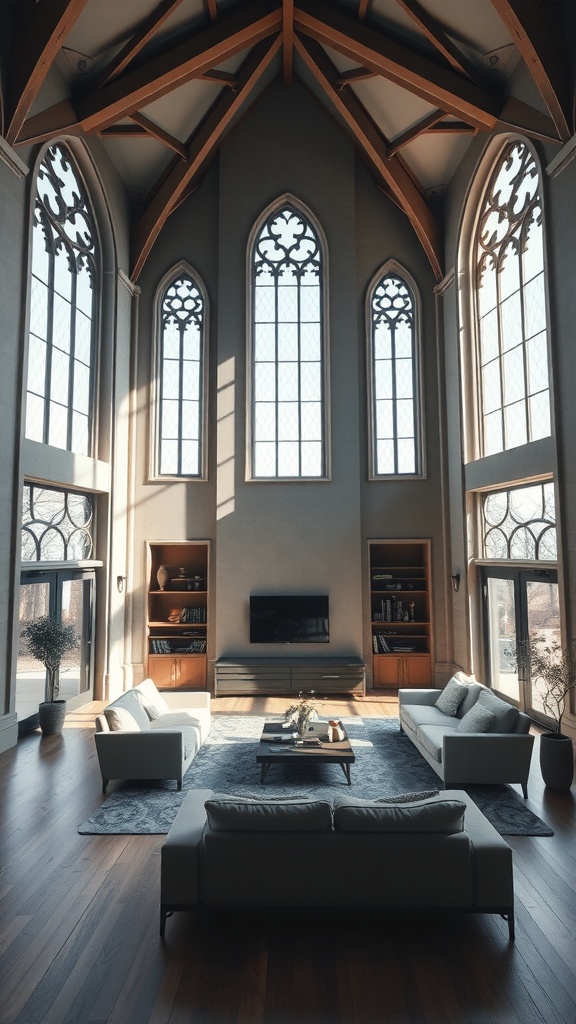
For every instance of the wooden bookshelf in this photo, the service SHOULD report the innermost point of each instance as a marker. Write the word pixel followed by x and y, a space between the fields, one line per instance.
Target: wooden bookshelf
pixel 177 623
pixel 400 612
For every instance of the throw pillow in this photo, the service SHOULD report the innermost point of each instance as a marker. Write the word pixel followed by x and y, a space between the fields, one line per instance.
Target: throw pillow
pixel 407 798
pixel 225 815
pixel 451 697
pixel 119 719
pixel 440 816
pixel 506 716
pixel 152 701
pixel 478 719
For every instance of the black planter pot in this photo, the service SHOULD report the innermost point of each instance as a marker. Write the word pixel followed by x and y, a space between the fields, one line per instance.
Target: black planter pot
pixel 556 760
pixel 51 714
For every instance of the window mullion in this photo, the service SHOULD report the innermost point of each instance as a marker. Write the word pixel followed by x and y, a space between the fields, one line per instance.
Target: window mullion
pixel 49 340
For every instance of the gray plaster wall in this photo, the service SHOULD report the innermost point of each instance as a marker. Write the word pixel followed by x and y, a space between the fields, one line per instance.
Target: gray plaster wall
pixel 288 537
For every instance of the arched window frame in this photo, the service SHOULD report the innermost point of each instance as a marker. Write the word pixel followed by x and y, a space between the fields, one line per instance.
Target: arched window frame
pixel 469 294
pixel 394 269
pixel 181 269
pixel 88 220
pixel 287 201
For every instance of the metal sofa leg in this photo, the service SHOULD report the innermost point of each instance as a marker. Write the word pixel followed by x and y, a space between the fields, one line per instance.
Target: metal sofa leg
pixel 509 917
pixel 179 783
pixel 524 789
pixel 104 784
pixel 163 915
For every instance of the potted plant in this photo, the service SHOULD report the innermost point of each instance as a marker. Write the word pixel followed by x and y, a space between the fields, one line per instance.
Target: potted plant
pixel 48 639
pixel 553 669
pixel 302 713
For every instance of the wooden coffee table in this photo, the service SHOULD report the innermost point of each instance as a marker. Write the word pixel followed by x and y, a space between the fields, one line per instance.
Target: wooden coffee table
pixel 269 752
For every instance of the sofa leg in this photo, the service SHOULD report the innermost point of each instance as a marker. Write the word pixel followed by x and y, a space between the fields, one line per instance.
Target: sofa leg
pixel 179 783
pixel 509 917
pixel 163 915
pixel 104 784
pixel 524 789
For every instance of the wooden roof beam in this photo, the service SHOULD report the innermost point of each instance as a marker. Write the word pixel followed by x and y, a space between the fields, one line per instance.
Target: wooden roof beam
pixel 436 35
pixel 436 84
pixel 181 177
pixel 355 75
pixel 37 37
pixel 389 169
pixel 542 45
pixel 161 74
pixel 288 40
pixel 137 43
pixel 415 131
pixel 156 132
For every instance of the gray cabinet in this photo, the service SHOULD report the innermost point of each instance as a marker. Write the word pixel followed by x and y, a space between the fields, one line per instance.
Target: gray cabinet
pixel 288 675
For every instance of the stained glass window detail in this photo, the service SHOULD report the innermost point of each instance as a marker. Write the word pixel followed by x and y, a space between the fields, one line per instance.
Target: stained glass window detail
pixel 57 525
pixel 63 290
pixel 287 348
pixel 511 306
pixel 520 523
pixel 394 398
pixel 181 373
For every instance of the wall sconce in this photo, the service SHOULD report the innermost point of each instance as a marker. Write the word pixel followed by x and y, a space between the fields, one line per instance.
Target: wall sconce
pixel 455 582
pixel 120 581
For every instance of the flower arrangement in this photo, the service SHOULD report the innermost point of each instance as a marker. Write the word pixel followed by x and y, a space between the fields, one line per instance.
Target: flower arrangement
pixel 303 712
pixel 48 640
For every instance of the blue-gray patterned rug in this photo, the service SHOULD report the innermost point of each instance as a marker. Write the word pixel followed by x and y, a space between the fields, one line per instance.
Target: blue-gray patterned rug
pixel 386 763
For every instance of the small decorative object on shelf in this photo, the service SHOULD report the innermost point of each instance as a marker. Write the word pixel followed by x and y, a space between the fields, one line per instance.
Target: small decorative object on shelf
pixel 163 576
pixel 302 713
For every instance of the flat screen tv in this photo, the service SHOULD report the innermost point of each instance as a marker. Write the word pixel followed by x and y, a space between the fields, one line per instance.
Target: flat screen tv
pixel 281 619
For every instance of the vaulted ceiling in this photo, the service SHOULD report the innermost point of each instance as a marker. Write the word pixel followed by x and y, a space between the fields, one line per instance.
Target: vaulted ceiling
pixel 162 81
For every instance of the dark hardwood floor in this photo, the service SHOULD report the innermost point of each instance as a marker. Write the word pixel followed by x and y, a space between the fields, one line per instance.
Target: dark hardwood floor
pixel 79 923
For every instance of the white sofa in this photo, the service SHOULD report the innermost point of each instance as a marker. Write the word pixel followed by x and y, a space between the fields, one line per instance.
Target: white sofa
pixel 438 853
pixel 500 753
pixel 145 734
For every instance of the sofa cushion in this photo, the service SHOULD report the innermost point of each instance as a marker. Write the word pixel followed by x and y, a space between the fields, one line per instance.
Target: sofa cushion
pixel 174 718
pixel 131 702
pixel 152 701
pixel 407 798
pixel 237 814
pixel 478 719
pixel 505 716
pixel 473 691
pixel 355 815
pixel 119 719
pixel 431 737
pixel 190 741
pixel 451 697
pixel 425 714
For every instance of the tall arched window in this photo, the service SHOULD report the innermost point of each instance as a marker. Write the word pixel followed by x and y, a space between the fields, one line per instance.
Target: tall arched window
pixel 394 373
pixel 510 306
pixel 287 364
pixel 63 309
pixel 181 377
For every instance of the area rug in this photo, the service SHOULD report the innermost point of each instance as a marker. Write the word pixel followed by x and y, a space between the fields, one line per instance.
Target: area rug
pixel 387 763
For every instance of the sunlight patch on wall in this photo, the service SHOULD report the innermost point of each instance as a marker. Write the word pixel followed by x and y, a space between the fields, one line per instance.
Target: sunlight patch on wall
pixel 225 438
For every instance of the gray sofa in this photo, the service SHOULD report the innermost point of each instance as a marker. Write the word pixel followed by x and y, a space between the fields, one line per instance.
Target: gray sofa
pixel 437 853
pixel 145 734
pixel 495 751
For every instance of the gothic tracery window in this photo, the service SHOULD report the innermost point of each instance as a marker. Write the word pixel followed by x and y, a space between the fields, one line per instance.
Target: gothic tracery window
pixel 287 413
pixel 181 378
pixel 394 384
pixel 508 256
pixel 63 302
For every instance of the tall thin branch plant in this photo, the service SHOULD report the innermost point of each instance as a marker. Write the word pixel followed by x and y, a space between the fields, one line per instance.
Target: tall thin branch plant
pixel 48 639
pixel 554 667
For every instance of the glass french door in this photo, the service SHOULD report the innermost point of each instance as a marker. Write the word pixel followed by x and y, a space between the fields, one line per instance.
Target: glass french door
pixel 67 594
pixel 517 603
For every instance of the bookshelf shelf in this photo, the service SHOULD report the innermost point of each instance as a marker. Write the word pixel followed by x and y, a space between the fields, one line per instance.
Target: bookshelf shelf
pixel 177 621
pixel 400 612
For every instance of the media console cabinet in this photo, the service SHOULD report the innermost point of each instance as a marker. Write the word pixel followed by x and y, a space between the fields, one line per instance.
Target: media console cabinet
pixel 271 676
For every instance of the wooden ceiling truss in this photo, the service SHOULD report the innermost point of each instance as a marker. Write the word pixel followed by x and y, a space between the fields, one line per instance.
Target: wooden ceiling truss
pixel 259 30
